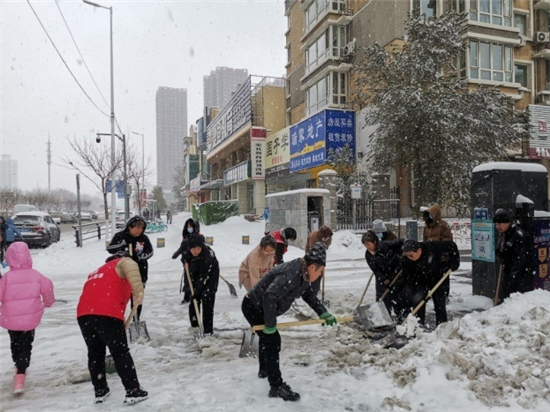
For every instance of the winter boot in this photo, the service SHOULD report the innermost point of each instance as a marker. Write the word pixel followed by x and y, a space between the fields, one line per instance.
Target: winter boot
pixel 19 383
pixel 101 394
pixel 135 395
pixel 284 392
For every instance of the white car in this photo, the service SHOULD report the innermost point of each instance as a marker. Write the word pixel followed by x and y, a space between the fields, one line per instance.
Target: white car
pixel 85 216
pixel 37 228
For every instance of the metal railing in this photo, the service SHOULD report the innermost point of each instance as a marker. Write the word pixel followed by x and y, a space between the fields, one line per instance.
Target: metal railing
pixel 89 231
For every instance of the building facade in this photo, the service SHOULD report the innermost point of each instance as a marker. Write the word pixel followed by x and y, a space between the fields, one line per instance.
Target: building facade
pixel 8 173
pixel 220 84
pixel 171 116
pixel 508 46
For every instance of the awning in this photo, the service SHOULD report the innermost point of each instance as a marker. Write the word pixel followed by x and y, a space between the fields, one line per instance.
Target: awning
pixel 212 185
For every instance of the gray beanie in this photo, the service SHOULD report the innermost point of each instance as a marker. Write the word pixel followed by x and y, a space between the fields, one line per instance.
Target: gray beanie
pixel 379 226
pixel 317 254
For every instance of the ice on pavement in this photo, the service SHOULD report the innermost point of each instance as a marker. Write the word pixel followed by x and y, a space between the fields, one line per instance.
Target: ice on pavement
pixel 490 359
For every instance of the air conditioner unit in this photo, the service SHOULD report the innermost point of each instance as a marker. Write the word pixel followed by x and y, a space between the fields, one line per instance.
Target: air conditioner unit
pixel 522 41
pixel 349 48
pixel 542 37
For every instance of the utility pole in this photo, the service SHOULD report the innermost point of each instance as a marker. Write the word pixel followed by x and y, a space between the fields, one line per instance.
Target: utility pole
pixel 49 162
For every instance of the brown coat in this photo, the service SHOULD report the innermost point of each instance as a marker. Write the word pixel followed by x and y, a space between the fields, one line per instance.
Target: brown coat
pixel 438 229
pixel 324 232
pixel 253 267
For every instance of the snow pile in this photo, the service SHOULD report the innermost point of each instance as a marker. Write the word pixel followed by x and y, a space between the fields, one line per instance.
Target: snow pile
pixel 502 355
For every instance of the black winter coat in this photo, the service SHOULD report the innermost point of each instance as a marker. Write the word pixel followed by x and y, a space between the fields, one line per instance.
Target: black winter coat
pixel 141 249
pixel 516 259
pixel 385 264
pixel 436 259
pixel 280 287
pixel 204 271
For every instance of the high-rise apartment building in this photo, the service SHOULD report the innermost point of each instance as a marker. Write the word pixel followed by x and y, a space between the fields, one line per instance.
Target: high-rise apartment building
pixel 218 87
pixel 8 172
pixel 171 104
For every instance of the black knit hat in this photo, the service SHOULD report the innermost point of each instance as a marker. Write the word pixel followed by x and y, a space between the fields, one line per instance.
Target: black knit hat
pixel 289 233
pixel 411 245
pixel 503 216
pixel 195 240
pixel 317 254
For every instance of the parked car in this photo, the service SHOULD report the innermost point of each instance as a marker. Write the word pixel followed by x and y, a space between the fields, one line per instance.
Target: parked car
pixel 37 228
pixel 120 219
pixel 92 213
pixel 68 218
pixel 85 216
pixel 56 216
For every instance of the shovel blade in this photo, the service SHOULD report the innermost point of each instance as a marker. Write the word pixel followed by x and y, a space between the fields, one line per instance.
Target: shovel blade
pixel 138 332
pixel 373 316
pixel 250 345
pixel 232 290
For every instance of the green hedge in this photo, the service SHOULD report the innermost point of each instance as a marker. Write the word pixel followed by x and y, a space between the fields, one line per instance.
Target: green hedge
pixel 209 213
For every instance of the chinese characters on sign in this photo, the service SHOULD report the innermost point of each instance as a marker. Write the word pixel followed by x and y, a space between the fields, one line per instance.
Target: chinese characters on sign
pixel 541 257
pixel 277 151
pixel 237 173
pixel 539 144
pixel 311 139
pixel 483 240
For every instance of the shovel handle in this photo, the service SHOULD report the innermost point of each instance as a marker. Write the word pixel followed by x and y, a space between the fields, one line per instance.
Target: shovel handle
pixel 303 322
pixel 499 283
pixel 391 284
pixel 430 293
pixel 130 316
pixel 365 291
pixel 197 311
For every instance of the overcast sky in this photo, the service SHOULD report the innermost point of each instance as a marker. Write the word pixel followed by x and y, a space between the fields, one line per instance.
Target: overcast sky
pixel 156 43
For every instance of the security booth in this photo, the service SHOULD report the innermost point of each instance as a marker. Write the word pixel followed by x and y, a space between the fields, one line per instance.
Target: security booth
pixel 519 187
pixel 302 209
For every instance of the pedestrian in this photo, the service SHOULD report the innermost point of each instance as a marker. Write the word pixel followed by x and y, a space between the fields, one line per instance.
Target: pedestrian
pixel 272 296
pixel 514 255
pixel 424 264
pixel 204 271
pixel 100 317
pixel 169 217
pixel 3 228
pixel 146 214
pixel 11 232
pixel 282 237
pixel 324 234
pixel 190 227
pixel 384 259
pixel 379 227
pixel 257 263
pixel 435 228
pixel 158 214
pixel 134 241
pixel 24 293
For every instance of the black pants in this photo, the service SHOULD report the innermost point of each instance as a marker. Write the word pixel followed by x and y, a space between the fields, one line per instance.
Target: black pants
pixel 21 348
pixel 3 248
pixel 270 345
pixel 205 303
pixel 104 331
pixel 418 292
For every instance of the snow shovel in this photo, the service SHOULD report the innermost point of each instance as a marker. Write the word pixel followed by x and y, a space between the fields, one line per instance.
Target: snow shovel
pixel 232 289
pixel 250 343
pixel 137 329
pixel 499 283
pixel 375 315
pixel 197 312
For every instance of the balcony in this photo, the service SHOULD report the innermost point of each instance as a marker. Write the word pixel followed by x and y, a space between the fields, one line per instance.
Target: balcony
pixel 542 5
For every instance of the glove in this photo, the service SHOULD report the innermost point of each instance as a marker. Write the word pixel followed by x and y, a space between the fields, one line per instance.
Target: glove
pixel 269 331
pixel 175 256
pixel 329 318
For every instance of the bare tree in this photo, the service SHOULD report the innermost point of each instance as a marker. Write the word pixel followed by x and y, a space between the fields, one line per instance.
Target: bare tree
pixel 136 172
pixel 93 161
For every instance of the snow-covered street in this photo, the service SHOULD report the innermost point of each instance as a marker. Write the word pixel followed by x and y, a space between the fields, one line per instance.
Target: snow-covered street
pixel 491 359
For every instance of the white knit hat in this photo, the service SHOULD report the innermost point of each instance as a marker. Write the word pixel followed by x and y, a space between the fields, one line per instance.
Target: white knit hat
pixel 379 226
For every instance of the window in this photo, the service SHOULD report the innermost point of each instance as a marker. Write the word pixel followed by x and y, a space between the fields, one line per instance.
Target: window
pixel 520 74
pixel 520 21
pixel 330 90
pixel 288 54
pixel 318 8
pixel 426 7
pixel 498 12
pixel 489 61
pixel 320 50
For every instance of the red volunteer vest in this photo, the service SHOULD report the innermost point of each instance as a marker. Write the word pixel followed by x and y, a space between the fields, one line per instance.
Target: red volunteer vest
pixel 105 293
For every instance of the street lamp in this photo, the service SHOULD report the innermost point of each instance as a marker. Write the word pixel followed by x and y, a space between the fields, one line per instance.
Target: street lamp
pixel 142 162
pixel 113 191
pixel 126 201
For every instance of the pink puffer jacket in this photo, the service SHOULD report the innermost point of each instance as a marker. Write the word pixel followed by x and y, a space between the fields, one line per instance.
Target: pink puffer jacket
pixel 23 291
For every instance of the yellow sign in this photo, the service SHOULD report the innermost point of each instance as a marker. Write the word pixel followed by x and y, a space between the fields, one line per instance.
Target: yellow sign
pixel 542 254
pixel 277 149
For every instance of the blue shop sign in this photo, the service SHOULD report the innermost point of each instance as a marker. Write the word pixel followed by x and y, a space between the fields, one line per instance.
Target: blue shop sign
pixel 311 139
